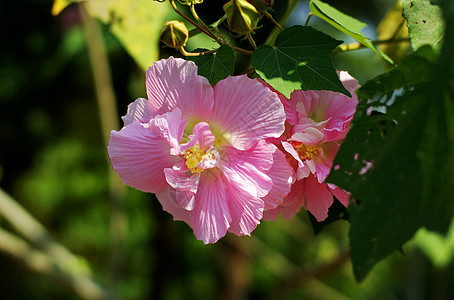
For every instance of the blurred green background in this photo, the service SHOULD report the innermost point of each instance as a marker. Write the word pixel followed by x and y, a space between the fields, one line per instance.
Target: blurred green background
pixel 53 162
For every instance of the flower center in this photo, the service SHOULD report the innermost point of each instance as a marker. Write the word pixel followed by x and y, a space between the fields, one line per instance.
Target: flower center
pixel 198 160
pixel 306 152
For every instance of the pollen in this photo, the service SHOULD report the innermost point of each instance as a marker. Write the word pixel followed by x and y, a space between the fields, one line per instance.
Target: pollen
pixel 306 152
pixel 194 156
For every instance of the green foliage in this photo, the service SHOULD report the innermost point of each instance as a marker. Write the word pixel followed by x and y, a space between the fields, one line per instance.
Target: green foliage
pixel 215 66
pixel 300 60
pixel 348 25
pixel 402 129
pixel 136 24
pixel 424 21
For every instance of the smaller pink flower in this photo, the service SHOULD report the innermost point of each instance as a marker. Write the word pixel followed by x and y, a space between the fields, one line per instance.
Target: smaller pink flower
pixel 317 122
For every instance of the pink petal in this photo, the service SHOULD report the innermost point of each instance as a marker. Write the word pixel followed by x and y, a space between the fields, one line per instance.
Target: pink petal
pixel 185 187
pixel 292 204
pixel 167 198
pixel 246 211
pixel 324 162
pixel 301 105
pixel 341 195
pixel 318 198
pixel 204 136
pixel 272 214
pixel 210 218
pixel 170 127
pixel 174 82
pixel 303 169
pixel 310 136
pixel 281 173
pixel 245 112
pixel 139 156
pixel 138 110
pixel 341 109
pixel 249 168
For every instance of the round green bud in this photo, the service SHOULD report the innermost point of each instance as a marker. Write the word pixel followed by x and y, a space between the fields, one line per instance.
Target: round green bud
pixel 174 34
pixel 242 16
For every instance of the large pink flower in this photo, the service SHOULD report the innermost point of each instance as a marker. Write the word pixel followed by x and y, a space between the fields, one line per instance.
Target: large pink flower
pixel 202 149
pixel 317 122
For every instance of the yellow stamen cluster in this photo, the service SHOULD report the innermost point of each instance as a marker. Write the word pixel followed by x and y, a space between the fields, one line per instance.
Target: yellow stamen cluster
pixel 306 152
pixel 194 156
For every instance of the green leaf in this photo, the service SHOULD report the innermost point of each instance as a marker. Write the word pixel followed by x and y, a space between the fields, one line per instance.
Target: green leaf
pixel 396 161
pixel 300 60
pixel 136 24
pixel 424 22
pixel 348 25
pixel 215 66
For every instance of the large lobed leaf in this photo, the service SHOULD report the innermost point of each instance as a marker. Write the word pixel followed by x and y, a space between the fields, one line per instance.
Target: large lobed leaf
pixel 300 60
pixel 348 25
pixel 424 21
pixel 395 160
pixel 136 23
pixel 215 66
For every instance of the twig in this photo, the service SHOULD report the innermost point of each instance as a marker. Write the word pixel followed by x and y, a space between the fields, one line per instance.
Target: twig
pixel 41 263
pixel 302 277
pixel 270 17
pixel 108 114
pixel 356 46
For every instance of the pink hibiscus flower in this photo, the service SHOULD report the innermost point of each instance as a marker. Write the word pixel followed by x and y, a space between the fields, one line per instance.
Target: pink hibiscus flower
pixel 317 122
pixel 202 149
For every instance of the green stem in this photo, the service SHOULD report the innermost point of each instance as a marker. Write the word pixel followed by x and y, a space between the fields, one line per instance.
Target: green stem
pixel 251 41
pixel 196 17
pixel 272 37
pixel 108 114
pixel 309 16
pixel 185 53
pixel 270 17
pixel 209 33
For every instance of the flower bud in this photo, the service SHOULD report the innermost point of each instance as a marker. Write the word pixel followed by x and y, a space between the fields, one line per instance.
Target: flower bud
pixel 242 16
pixel 262 5
pixel 174 34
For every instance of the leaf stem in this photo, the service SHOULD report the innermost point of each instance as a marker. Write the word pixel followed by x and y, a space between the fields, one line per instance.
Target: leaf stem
pixel 309 16
pixel 270 17
pixel 356 46
pixel 251 41
pixel 185 53
pixel 196 16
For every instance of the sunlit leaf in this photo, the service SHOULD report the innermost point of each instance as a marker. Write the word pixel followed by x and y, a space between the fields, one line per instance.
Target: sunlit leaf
pixel 393 26
pixel 424 21
pixel 348 25
pixel 300 60
pixel 137 24
pixel 60 5
pixel 215 66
